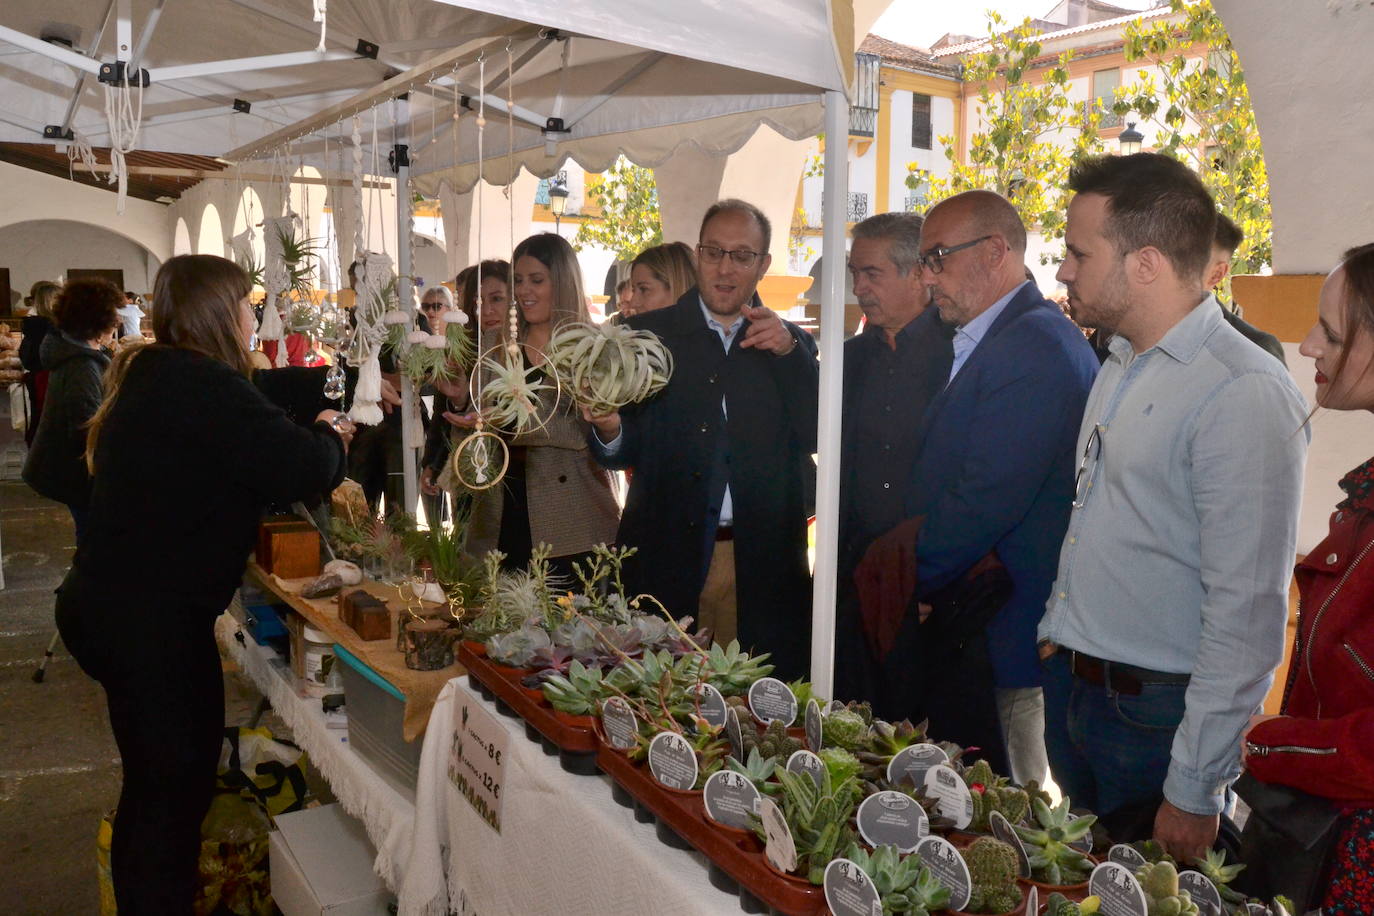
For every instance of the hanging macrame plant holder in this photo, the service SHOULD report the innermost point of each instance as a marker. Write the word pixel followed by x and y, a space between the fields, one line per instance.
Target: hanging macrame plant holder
pixel 276 280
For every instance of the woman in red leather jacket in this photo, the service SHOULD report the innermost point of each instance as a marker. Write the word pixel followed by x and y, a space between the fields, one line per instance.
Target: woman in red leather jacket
pixel 1323 743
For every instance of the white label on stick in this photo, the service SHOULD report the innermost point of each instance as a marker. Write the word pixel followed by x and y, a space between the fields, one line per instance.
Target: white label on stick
pixel 1118 889
pixel 476 759
pixel 814 726
pixel 1125 855
pixel 949 867
pixel 1003 830
pixel 948 789
pixel 672 761
pixel 1032 900
pixel 733 733
pixel 710 704
pixel 1202 890
pixel 849 891
pixel 619 723
pixel 730 798
pixel 771 700
pixel 804 761
pixel 890 818
pixel 911 763
pixel 780 848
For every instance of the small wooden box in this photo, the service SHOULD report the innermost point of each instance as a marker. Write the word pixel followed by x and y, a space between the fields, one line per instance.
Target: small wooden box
pixel 288 547
pixel 365 614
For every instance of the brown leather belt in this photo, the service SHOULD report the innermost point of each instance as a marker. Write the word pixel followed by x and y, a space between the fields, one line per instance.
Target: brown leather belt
pixel 725 533
pixel 1116 676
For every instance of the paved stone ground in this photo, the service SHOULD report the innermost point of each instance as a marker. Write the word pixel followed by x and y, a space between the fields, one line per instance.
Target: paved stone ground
pixel 59 767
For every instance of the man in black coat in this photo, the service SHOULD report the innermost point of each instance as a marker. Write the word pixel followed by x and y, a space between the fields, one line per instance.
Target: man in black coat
pixel 723 474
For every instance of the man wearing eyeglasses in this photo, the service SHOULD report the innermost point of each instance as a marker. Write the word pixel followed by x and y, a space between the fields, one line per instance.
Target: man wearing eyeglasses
pixel 994 475
pixel 1167 618
pixel 723 474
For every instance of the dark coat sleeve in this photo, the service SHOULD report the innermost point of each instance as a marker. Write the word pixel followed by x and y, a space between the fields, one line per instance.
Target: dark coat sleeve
pixel 35 327
pixel 299 390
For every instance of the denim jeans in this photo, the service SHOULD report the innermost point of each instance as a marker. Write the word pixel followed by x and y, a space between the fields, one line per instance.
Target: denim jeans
pixel 1108 751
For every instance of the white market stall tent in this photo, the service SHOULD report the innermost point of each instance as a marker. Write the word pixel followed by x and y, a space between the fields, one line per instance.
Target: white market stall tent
pixel 579 80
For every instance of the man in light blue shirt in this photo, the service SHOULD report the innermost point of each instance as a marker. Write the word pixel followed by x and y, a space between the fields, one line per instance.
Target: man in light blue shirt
pixel 1166 620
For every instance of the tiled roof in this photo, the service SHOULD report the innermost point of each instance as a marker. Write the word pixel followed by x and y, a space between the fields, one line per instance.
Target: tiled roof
pixel 904 55
pixel 1101 25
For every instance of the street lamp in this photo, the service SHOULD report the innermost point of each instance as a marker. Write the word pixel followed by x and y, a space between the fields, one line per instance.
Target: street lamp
pixel 558 202
pixel 1130 140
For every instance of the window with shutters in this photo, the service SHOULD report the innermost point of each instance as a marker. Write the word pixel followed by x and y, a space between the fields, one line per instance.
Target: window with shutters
pixel 920 121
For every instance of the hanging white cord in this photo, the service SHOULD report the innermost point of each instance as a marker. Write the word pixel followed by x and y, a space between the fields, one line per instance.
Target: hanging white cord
pixel 322 17
pixel 123 118
pixel 80 148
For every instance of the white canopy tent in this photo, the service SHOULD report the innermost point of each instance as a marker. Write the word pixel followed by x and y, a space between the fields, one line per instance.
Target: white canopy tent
pixel 592 80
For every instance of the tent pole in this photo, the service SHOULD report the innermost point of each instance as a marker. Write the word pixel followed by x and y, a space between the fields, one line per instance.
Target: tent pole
pixel 832 379
pixel 406 292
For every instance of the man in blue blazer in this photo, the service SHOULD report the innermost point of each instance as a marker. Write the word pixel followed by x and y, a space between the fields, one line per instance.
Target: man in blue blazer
pixel 994 475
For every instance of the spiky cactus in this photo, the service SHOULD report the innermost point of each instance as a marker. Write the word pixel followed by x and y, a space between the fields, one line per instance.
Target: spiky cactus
pixel 1052 859
pixel 1159 880
pixel 994 793
pixel 993 867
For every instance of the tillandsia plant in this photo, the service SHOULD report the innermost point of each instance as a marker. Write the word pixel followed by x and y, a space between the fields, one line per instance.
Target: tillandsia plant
pixel 1052 859
pixel 304 318
pixel 904 884
pixel 514 399
pixel 994 793
pixel 605 367
pixel 298 254
pixel 1159 880
pixel 993 867
pixel 818 817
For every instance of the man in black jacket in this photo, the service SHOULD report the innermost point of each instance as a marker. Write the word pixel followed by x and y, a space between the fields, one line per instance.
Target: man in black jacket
pixel 723 473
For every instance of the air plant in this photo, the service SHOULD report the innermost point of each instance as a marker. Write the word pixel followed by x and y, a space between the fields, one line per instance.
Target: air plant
pixel 513 399
pixel 298 255
pixel 304 318
pixel 607 366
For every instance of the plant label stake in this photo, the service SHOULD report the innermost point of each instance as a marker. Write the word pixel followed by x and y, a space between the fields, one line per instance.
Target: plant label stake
pixel 1202 890
pixel 890 818
pixel 949 867
pixel 619 723
pixel 1083 844
pixel 1033 900
pixel 672 761
pixel 1002 830
pixel 1258 909
pixel 804 761
pixel 954 798
pixel 911 763
pixel 849 891
pixel 814 726
pixel 711 704
pixel 733 733
pixel 1120 892
pixel 771 700
pixel 780 849
pixel 730 799
pixel 1125 855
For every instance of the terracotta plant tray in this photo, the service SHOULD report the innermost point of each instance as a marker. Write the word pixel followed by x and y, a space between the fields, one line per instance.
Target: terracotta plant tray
pixel 737 861
pixel 575 745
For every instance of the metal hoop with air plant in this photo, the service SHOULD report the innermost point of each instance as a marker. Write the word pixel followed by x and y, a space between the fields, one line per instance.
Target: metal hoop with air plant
pixel 606 367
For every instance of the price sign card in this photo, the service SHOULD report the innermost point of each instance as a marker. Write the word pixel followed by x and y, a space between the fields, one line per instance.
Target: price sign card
pixel 730 798
pixel 890 818
pixel 804 761
pixel 1125 855
pixel 710 704
pixel 619 723
pixel 813 725
pixel 770 700
pixel 476 759
pixel 948 788
pixel 849 891
pixel 949 867
pixel 1202 890
pixel 911 763
pixel 1003 830
pixel 672 761
pixel 1118 889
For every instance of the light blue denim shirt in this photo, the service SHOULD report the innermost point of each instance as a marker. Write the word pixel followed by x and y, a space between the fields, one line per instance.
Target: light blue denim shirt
pixel 967 338
pixel 1181 543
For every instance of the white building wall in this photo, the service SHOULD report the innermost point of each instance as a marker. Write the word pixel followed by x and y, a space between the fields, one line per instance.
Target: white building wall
pixel 863 177
pixel 47 249
pixel 902 153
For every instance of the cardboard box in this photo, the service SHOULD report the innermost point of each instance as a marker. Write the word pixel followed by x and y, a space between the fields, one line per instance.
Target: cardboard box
pixel 322 866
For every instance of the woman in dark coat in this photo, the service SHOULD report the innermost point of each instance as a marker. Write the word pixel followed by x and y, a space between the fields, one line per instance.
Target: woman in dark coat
pixel 86 316
pixel 185 452
pixel 35 328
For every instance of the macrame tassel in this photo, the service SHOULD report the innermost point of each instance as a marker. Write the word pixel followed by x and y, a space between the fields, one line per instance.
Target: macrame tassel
pixel 416 438
pixel 270 328
pixel 367 395
pixel 322 17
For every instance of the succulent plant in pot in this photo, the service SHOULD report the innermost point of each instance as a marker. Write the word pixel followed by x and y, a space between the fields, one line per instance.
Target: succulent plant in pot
pixel 1059 905
pixel 517 648
pixel 993 867
pixel 1214 866
pixel 818 817
pixel 884 740
pixel 1053 861
pixel 579 692
pixel 845 728
pixel 758 769
pixel 994 793
pixel 1159 880
pixel 905 884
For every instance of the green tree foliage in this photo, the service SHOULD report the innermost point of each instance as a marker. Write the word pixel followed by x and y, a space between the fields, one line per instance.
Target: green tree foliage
pixel 1019 150
pixel 628 200
pixel 1198 102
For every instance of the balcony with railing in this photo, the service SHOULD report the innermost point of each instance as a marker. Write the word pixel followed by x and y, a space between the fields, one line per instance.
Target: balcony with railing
pixel 857 207
pixel 863 113
pixel 1106 118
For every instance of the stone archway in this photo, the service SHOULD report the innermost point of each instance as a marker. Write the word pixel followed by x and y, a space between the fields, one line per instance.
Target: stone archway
pixel 45 249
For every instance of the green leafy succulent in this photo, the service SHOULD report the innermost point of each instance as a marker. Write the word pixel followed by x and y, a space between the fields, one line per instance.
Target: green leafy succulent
pixel 1052 859
pixel 904 884
pixel 1214 866
pixel 579 693
pixel 758 769
pixel 818 817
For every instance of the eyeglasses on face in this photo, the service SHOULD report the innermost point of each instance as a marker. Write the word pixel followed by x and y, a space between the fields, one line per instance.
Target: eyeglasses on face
pixel 742 257
pixel 431 306
pixel 934 259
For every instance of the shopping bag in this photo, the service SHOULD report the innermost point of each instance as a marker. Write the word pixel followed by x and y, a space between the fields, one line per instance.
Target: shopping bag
pixel 268 770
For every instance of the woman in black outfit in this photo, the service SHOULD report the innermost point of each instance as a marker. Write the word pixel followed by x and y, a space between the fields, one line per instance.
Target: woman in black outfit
pixel 185 453
pixel 35 327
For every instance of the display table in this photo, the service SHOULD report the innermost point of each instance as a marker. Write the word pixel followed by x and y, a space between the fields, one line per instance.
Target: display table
pixel 387 814
pixel 420 687
pixel 564 844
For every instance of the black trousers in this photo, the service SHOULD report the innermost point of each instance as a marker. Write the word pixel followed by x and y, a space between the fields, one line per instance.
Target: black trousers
pixel 155 655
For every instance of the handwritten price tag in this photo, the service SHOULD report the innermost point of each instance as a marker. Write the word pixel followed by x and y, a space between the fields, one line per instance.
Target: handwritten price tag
pixel 476 759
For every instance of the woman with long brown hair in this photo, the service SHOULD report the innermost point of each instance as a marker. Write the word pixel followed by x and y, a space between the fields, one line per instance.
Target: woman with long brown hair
pixel 185 454
pixel 553 493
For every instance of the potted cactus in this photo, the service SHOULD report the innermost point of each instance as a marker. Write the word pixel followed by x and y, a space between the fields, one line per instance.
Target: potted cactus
pixel 992 867
pixel 1059 905
pixel 1159 880
pixel 904 884
pixel 1055 865
pixel 994 793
